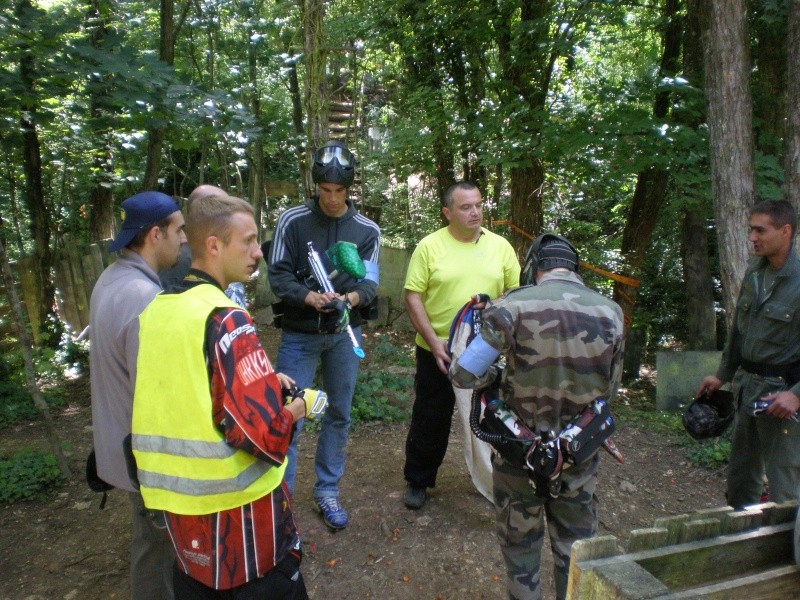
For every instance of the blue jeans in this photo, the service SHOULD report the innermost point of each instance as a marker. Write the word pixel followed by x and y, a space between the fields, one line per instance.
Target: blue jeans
pixel 298 357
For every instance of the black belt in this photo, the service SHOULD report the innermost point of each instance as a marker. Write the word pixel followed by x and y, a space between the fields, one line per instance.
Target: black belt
pixel 790 372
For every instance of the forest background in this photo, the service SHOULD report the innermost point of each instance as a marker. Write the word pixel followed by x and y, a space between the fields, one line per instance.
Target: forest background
pixel 642 130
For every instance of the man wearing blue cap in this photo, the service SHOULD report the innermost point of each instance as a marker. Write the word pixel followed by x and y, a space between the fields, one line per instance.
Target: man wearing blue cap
pixel 148 241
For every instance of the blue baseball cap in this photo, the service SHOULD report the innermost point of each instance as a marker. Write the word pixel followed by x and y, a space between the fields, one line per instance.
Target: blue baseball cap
pixel 139 211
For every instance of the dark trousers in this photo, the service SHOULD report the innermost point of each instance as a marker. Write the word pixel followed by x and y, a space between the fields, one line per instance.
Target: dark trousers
pixel 431 418
pixel 284 582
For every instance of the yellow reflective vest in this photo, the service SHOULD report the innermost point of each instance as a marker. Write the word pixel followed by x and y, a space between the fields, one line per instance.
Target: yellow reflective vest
pixel 184 464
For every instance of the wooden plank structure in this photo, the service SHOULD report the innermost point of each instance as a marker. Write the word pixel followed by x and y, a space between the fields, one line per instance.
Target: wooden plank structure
pixel 716 554
pixel 76 272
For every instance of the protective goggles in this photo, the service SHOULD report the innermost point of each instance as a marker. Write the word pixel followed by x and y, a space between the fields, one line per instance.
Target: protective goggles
pixel 328 154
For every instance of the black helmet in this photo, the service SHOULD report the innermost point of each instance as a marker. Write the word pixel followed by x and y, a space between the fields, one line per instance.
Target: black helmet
pixel 709 416
pixel 548 251
pixel 333 163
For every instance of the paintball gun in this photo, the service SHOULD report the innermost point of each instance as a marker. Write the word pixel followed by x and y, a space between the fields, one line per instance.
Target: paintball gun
pixel 760 408
pixel 324 280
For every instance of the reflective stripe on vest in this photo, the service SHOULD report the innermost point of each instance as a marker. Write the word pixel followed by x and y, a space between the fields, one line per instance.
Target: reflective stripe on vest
pixel 184 465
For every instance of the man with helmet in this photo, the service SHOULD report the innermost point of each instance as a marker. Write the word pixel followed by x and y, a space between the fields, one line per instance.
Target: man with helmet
pixel 446 269
pixel 562 344
pixel 312 319
pixel 761 359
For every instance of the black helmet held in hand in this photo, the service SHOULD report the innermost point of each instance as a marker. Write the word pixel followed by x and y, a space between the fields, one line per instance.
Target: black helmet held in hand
pixel 709 416
pixel 333 163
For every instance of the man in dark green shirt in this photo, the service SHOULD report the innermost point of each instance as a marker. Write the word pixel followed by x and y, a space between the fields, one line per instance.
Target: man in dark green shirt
pixel 761 359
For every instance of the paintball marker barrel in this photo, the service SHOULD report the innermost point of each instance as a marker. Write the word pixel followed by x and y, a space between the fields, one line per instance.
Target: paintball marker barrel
pixel 321 275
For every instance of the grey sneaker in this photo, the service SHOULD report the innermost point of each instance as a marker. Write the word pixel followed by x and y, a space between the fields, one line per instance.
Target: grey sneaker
pixel 415 497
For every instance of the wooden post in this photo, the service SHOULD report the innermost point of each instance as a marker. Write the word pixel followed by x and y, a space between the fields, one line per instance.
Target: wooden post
pixel 587 550
pixel 647 539
pixel 81 298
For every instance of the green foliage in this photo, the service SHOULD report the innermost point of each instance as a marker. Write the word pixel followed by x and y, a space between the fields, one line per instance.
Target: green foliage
pixel 384 386
pixel 441 89
pixel 637 405
pixel 387 351
pixel 711 454
pixel 382 393
pixel 27 475
pixel 72 357
pixel 16 404
pixel 381 396
pixel 658 421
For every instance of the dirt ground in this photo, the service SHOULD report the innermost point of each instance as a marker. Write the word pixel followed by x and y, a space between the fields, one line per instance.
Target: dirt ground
pixel 65 548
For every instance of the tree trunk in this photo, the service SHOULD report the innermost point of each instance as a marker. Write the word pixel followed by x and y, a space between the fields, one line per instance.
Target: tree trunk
pixel 443 159
pixel 257 159
pixel 16 211
pixel 792 144
pixel 648 198
pixel 525 186
pixel 316 91
pixel 297 121
pixel 727 75
pixel 27 354
pixel 167 55
pixel 41 224
pixel 422 67
pixel 701 322
pixel 526 61
pixel 101 195
pixel 701 317
pixel 652 184
pixel 769 79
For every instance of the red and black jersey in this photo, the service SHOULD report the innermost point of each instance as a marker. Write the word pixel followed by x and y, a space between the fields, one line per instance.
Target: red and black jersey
pixel 229 548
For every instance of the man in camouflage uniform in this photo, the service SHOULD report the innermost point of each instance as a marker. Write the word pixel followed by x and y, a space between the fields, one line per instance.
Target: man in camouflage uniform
pixel 563 348
pixel 762 361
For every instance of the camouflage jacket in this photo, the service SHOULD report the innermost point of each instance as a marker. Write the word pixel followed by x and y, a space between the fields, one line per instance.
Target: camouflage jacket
pixel 562 344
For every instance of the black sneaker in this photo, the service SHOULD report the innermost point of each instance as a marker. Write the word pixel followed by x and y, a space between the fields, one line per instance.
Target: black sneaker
pixel 415 497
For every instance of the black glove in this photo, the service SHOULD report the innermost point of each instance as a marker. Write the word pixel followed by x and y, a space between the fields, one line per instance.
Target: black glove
pixel 338 317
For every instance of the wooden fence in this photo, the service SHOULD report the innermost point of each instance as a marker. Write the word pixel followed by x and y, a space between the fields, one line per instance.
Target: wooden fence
pixel 76 272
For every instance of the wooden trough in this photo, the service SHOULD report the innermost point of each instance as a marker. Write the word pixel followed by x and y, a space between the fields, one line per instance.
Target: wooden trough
pixel 716 553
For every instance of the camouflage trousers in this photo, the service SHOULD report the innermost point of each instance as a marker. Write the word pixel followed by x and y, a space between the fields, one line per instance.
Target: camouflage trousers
pixel 521 524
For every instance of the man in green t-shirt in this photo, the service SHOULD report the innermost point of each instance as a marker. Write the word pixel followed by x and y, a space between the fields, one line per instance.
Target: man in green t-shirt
pixel 447 268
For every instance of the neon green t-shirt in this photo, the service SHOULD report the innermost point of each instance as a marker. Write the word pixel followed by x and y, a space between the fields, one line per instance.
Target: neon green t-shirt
pixel 447 273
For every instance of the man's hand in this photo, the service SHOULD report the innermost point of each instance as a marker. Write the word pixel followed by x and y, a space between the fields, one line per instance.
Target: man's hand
pixel 287 382
pixel 318 301
pixel 439 351
pixel 337 305
pixel 480 300
pixel 316 402
pixel 307 403
pixel 297 408
pixel 709 385
pixel 783 405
